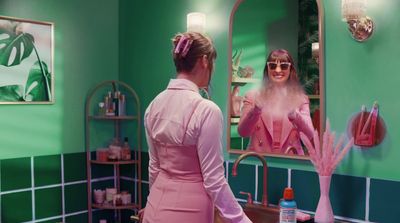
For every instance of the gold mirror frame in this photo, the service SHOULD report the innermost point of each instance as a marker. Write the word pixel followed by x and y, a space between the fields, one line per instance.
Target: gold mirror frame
pixel 321 66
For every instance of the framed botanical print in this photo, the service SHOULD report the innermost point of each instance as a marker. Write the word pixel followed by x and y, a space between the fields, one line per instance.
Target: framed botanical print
pixel 26 61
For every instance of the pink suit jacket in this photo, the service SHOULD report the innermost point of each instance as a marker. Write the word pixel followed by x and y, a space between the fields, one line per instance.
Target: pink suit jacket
pixel 257 124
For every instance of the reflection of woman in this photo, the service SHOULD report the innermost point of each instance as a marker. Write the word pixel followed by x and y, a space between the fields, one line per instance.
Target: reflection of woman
pixel 184 132
pixel 273 116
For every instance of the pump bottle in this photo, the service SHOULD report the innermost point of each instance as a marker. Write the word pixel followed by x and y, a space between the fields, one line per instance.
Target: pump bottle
pixel 287 207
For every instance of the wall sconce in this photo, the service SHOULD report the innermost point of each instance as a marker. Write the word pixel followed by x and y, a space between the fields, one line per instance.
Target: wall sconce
pixel 315 51
pixel 196 22
pixel 354 13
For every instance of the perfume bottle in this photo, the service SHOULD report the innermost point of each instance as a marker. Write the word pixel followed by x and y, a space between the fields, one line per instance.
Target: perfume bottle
pixel 126 150
pixel 115 101
pixel 122 105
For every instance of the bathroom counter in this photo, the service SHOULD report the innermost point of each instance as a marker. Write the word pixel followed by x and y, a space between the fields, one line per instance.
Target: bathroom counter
pixel 257 216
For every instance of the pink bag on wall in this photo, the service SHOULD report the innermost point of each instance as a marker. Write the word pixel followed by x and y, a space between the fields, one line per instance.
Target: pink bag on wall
pixel 236 102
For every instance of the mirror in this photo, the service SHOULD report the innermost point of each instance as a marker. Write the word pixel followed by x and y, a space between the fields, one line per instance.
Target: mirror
pixel 258 27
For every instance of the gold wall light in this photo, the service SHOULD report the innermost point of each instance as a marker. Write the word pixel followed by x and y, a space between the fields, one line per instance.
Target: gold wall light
pixel 354 13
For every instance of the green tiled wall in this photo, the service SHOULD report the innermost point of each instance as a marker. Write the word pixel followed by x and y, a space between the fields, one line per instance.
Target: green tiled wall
pixel 15 174
pixel 74 167
pixel 13 202
pixel 75 198
pixel 244 181
pixel 145 193
pixel 276 180
pixel 384 201
pixel 49 188
pixel 306 189
pixel 48 202
pixel 47 170
pixel 348 194
pixel 145 165
pixel 77 218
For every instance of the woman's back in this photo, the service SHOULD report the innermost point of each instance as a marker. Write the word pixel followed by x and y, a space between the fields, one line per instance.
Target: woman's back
pixel 175 113
pixel 184 133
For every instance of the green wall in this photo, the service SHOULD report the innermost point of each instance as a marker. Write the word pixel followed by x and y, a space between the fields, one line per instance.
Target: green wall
pixel 356 73
pixel 359 73
pixel 86 52
pixel 258 32
pixel 146 31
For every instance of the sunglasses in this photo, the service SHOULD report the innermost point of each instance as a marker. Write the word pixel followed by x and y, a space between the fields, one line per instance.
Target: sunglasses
pixel 274 65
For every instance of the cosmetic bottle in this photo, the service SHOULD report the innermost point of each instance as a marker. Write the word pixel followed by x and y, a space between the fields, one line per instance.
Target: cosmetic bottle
pixel 126 150
pixel 115 150
pixel 115 101
pixel 108 106
pixel 287 207
pixel 122 105
pixel 102 109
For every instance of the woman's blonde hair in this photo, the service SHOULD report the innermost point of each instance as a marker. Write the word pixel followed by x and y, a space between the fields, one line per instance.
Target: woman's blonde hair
pixel 190 46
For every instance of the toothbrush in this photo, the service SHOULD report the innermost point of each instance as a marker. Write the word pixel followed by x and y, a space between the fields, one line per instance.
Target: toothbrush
pixel 367 122
pixel 360 122
pixel 372 137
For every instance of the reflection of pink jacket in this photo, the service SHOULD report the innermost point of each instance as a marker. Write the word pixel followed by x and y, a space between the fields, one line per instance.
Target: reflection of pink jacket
pixel 257 124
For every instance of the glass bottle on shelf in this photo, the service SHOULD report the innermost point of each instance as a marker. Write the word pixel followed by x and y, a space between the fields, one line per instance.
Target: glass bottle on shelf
pixel 115 150
pixel 126 150
pixel 122 105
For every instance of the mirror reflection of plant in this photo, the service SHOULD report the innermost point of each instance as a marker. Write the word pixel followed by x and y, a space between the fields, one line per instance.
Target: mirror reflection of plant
pixel 308 33
pixel 15 46
pixel 237 55
pixel 237 70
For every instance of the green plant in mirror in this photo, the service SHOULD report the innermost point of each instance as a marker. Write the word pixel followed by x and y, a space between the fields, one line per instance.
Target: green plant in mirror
pixel 15 47
pixel 308 69
pixel 236 62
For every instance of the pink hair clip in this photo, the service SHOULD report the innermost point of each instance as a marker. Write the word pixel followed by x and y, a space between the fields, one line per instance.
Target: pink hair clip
pixel 187 47
pixel 179 45
pixel 183 46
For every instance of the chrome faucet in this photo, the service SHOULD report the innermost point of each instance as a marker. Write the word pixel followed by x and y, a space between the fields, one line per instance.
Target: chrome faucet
pixel 265 170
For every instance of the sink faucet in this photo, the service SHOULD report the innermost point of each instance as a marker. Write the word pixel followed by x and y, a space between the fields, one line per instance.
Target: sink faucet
pixel 265 170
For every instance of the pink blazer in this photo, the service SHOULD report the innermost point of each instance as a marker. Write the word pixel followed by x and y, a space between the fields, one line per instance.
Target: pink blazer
pixel 257 124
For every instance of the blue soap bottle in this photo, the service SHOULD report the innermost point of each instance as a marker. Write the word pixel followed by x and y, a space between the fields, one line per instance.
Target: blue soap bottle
pixel 287 207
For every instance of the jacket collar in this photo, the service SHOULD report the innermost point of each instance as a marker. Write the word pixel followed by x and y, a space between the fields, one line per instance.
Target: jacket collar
pixel 182 84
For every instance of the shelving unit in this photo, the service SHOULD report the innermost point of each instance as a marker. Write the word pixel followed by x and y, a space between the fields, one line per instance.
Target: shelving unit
pixel 91 117
pixel 242 81
pixel 235 120
pixel 313 96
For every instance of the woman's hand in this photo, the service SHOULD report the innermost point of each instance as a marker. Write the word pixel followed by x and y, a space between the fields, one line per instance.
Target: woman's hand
pixel 259 102
pixel 293 116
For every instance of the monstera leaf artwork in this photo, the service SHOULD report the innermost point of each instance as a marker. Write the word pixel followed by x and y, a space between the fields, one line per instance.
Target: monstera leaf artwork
pixel 25 61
